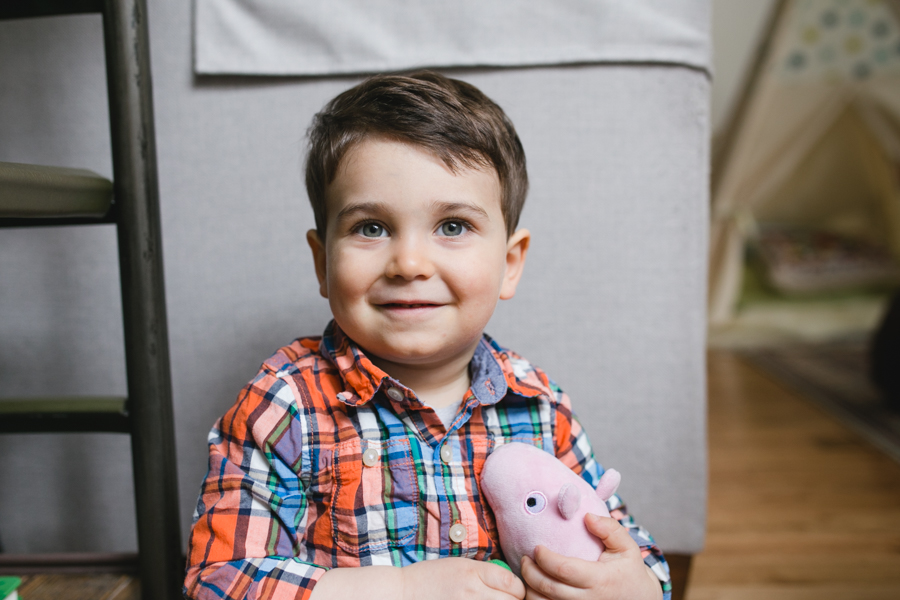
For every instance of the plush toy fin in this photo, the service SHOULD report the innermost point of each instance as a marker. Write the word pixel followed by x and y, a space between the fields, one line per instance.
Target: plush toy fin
pixel 569 500
pixel 608 485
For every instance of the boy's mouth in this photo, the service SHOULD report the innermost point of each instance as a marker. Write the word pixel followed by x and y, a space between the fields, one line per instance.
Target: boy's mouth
pixel 408 305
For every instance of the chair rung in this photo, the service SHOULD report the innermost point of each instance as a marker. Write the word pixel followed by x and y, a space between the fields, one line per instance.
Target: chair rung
pixel 21 9
pixel 70 563
pixel 76 414
pixel 13 223
pixel 35 191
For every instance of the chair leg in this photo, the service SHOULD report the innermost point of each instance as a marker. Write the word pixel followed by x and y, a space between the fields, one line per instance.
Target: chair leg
pixel 679 569
pixel 143 299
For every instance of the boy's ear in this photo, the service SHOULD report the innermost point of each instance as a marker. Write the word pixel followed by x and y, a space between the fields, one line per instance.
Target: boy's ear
pixel 318 251
pixel 516 250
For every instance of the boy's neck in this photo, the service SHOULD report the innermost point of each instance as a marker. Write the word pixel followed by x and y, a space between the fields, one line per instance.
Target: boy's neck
pixel 436 385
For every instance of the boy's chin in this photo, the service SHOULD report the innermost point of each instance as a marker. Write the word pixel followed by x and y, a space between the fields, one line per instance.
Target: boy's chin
pixel 418 355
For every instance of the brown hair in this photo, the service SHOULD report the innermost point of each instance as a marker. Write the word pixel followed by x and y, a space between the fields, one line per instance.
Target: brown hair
pixel 448 117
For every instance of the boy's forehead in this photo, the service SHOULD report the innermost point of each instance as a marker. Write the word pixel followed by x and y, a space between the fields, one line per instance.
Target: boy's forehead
pixel 378 144
pixel 378 162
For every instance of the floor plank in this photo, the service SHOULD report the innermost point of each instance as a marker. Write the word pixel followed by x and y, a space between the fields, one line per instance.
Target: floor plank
pixel 79 587
pixel 799 506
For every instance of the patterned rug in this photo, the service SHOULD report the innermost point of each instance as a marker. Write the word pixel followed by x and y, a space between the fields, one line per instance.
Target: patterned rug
pixel 835 376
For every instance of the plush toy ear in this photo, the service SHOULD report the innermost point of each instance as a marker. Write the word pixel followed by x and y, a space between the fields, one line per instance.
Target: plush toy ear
pixel 569 500
pixel 608 485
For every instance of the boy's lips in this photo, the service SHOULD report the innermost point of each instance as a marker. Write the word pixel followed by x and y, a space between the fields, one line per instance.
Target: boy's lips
pixel 409 308
pixel 405 305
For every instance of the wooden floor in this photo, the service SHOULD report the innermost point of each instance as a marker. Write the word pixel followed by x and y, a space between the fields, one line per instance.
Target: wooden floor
pixel 79 587
pixel 799 506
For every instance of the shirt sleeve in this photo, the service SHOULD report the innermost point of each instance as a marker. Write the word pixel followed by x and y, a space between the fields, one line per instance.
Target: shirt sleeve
pixel 248 529
pixel 574 449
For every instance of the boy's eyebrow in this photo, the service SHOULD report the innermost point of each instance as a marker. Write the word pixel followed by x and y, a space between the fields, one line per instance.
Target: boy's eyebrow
pixel 381 207
pixel 452 207
pixel 360 207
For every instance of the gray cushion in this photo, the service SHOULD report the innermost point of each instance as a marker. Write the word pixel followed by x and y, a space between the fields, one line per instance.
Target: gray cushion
pixel 42 191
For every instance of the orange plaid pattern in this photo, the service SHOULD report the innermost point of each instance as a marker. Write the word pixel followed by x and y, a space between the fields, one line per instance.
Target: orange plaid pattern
pixel 325 461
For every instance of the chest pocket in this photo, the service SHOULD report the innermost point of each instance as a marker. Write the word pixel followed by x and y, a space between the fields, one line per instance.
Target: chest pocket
pixel 374 502
pixel 530 438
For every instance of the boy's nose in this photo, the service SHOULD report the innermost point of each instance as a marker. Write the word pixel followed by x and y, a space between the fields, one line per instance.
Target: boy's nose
pixel 410 260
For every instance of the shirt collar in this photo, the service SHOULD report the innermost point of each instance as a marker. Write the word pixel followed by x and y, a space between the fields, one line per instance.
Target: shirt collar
pixel 493 375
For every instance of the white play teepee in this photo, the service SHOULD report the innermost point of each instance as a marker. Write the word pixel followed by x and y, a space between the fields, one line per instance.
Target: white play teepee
pixel 815 139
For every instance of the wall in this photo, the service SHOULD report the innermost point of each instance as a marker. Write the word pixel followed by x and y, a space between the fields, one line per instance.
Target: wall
pixel 737 26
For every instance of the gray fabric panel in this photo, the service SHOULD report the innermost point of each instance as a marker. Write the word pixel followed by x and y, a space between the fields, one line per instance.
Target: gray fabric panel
pixel 614 289
pixel 308 37
pixel 612 303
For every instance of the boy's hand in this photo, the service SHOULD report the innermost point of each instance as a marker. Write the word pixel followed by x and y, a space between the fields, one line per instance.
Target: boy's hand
pixel 450 578
pixel 620 573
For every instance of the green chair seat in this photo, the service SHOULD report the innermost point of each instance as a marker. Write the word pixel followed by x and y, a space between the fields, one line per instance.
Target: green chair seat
pixel 35 191
pixel 64 414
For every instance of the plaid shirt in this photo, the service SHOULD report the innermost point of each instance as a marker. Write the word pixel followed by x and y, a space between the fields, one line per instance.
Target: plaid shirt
pixel 325 461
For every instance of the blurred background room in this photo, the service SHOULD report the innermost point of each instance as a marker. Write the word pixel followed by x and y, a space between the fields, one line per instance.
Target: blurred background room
pixel 804 358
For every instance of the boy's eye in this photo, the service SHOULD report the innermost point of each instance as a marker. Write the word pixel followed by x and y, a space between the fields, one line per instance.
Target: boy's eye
pixel 372 230
pixel 452 228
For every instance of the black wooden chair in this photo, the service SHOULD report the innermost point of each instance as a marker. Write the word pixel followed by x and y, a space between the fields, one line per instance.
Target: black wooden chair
pixel 34 196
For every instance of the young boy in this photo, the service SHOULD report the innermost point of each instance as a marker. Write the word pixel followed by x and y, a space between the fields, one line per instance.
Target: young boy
pixel 353 454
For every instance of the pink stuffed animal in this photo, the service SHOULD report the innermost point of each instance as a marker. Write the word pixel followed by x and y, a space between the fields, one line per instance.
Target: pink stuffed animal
pixel 536 499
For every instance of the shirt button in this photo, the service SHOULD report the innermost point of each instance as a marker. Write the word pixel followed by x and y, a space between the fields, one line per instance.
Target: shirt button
pixel 395 394
pixel 457 533
pixel 370 457
pixel 446 454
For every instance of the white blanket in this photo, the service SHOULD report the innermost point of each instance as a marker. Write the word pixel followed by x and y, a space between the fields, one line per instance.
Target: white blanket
pixel 325 37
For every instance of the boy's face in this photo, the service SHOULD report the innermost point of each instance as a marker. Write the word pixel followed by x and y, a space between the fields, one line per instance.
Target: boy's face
pixel 415 256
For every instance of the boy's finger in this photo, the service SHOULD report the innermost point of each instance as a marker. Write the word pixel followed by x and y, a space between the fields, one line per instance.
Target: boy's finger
pixel 539 585
pixel 545 585
pixel 611 533
pixel 533 594
pixel 500 579
pixel 573 572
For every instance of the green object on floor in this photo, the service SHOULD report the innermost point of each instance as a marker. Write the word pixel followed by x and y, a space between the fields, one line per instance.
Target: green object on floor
pixel 500 563
pixel 8 585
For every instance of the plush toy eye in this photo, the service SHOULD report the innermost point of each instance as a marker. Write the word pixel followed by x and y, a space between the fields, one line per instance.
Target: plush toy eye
pixel 535 502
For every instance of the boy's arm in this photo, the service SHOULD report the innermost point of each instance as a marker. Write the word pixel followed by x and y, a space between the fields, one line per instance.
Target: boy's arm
pixel 574 449
pixel 251 516
pixel 452 578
